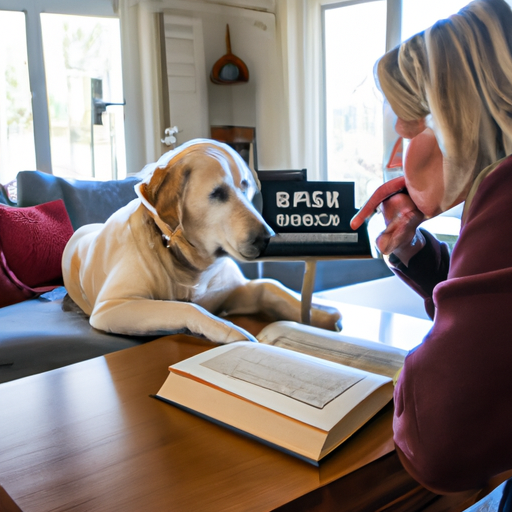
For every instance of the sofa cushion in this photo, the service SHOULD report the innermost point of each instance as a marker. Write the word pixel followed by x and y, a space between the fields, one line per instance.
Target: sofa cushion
pixel 31 244
pixel 86 201
pixel 38 335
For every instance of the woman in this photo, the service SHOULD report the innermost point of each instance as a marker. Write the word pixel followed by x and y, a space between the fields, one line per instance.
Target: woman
pixel 451 89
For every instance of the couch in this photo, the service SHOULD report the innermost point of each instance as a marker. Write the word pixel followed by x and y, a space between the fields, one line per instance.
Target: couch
pixel 40 330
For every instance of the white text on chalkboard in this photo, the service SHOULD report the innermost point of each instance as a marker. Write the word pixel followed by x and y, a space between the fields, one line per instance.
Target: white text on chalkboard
pixel 311 200
pixel 307 220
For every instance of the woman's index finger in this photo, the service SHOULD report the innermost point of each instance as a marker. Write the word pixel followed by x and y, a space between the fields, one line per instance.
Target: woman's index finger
pixel 386 190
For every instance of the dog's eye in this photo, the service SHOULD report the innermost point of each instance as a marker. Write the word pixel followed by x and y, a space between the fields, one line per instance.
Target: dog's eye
pixel 220 194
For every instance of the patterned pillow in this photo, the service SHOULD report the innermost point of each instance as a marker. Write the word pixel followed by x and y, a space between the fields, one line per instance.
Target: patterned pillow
pixel 32 241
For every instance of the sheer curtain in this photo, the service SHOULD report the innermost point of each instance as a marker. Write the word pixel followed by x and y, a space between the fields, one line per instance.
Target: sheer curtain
pixel 299 30
pixel 141 72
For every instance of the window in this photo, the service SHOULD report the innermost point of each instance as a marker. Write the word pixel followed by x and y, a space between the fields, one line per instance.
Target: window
pixel 82 57
pixel 354 135
pixel 16 120
pixel 59 60
pixel 417 16
pixel 358 143
pixel 354 38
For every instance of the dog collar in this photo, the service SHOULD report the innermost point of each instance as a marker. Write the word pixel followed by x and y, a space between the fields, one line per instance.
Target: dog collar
pixel 165 229
pixel 167 233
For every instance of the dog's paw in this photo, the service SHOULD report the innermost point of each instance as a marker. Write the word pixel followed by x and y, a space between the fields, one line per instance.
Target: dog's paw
pixel 326 317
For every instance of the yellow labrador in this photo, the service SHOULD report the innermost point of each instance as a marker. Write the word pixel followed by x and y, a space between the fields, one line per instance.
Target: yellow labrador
pixel 162 263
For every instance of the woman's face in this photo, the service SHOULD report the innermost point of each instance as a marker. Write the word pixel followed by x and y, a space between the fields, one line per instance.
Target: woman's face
pixel 423 166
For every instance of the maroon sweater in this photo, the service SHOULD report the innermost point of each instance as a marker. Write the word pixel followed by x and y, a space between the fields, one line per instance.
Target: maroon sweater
pixel 453 400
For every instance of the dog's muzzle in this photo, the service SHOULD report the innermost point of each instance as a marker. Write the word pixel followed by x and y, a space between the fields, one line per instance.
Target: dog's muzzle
pixel 257 242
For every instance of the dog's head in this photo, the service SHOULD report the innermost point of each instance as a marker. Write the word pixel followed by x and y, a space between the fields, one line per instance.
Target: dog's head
pixel 202 193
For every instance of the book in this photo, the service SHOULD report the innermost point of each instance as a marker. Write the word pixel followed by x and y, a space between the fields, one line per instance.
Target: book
pixel 282 393
pixel 372 356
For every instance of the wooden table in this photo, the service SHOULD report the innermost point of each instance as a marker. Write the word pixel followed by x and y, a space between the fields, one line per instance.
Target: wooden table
pixel 89 437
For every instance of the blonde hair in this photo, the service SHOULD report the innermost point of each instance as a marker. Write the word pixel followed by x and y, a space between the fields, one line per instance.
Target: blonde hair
pixel 460 72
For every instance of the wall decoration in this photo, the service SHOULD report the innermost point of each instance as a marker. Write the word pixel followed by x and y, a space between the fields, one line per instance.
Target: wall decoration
pixel 229 69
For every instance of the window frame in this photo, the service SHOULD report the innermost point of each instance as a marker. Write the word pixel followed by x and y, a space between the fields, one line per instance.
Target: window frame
pixel 35 59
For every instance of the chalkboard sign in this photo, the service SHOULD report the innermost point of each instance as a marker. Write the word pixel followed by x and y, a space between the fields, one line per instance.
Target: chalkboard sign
pixel 312 218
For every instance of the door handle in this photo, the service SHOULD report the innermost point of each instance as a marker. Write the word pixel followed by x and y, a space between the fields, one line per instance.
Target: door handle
pixel 100 106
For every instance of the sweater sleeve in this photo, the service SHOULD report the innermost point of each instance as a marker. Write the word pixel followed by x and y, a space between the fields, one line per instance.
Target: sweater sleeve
pixel 453 407
pixel 426 269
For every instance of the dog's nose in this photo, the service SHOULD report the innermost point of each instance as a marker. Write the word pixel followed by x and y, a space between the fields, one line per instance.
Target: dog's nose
pixel 259 240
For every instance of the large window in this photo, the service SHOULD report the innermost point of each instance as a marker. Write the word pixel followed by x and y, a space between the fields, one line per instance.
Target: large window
pixel 60 71
pixel 417 16
pixel 16 121
pixel 354 38
pixel 82 57
pixel 353 104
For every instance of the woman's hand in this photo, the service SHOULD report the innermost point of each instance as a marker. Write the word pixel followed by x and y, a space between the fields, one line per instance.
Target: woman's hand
pixel 401 236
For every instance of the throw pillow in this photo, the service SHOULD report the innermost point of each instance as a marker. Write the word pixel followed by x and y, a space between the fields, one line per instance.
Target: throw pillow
pixel 32 241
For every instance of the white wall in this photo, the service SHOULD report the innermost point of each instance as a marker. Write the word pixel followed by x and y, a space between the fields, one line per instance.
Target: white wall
pixel 259 103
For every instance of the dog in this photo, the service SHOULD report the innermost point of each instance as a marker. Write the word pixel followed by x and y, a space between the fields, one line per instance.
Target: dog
pixel 163 263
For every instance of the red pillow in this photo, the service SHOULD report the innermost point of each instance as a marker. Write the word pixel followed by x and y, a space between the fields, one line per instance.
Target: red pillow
pixel 32 241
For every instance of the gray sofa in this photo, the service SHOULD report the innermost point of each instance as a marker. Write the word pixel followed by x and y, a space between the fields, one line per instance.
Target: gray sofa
pixel 41 331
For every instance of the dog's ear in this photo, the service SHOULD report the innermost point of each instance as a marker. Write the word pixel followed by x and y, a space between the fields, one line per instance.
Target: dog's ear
pixel 165 192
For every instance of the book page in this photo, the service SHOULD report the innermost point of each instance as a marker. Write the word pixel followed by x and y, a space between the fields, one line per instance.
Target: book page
pixel 359 353
pixel 322 418
pixel 310 383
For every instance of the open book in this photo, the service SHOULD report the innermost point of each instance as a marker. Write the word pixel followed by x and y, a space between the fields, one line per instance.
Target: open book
pixel 279 393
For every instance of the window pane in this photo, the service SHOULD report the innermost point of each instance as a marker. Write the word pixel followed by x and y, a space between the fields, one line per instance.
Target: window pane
pixel 418 16
pixel 353 103
pixel 79 51
pixel 17 151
